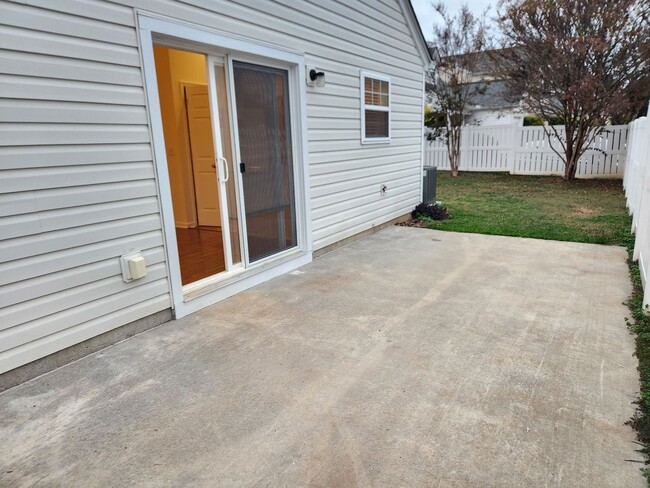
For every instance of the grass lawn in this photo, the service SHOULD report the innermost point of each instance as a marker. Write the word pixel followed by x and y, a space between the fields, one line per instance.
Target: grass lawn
pixel 548 208
pixel 534 206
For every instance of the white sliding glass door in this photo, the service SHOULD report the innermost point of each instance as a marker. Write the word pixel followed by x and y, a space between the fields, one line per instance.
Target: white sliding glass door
pixel 260 225
pixel 254 160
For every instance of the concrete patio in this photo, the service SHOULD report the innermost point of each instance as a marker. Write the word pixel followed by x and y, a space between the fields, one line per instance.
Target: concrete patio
pixel 409 358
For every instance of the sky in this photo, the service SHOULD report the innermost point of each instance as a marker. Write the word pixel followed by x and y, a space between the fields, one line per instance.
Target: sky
pixel 427 16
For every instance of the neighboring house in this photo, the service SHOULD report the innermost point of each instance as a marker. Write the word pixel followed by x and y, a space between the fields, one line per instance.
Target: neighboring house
pixel 495 104
pixel 493 101
pixel 158 157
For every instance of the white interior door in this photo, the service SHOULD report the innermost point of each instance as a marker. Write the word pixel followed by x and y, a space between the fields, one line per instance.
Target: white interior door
pixel 202 150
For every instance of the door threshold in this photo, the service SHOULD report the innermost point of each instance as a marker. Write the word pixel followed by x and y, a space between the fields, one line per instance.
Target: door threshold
pixel 208 285
pixel 212 292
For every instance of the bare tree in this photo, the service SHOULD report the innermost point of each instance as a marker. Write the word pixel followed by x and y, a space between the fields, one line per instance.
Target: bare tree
pixel 457 45
pixel 579 61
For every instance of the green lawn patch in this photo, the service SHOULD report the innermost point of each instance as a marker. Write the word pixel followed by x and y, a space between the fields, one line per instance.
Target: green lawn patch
pixel 541 207
pixel 545 207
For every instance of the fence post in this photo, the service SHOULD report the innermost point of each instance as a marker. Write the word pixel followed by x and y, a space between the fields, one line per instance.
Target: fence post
pixel 464 148
pixel 641 159
pixel 640 217
pixel 514 142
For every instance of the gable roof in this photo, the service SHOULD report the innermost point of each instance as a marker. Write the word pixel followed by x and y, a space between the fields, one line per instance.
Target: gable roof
pixel 495 94
pixel 485 62
pixel 416 32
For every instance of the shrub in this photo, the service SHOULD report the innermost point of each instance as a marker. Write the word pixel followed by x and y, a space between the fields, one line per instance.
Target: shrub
pixel 531 120
pixel 433 119
pixel 432 211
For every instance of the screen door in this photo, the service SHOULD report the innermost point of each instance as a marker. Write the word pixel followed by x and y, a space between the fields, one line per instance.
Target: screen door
pixel 266 159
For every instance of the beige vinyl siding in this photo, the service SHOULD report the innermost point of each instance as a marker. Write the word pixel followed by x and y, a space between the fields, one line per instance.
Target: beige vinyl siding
pixel 77 182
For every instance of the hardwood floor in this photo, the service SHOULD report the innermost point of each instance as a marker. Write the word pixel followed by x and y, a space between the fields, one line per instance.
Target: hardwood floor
pixel 200 252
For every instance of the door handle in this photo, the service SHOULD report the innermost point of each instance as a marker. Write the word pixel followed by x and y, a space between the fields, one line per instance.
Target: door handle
pixel 226 170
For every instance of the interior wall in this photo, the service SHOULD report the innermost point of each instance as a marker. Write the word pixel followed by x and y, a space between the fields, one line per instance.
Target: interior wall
pixel 175 68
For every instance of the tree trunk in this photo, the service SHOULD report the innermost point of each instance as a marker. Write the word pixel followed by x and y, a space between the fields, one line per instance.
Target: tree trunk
pixel 570 169
pixel 453 150
pixel 454 156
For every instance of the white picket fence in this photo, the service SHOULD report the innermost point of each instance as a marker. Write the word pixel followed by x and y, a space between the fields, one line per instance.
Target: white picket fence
pixel 636 182
pixel 528 151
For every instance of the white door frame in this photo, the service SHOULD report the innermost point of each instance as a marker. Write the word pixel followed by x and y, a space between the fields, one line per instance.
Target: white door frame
pixel 175 33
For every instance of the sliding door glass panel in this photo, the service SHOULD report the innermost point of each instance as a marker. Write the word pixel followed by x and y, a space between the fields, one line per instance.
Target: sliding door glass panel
pixel 262 98
pixel 226 143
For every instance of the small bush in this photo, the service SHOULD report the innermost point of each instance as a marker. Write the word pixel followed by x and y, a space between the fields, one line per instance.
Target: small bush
pixel 432 211
pixel 532 120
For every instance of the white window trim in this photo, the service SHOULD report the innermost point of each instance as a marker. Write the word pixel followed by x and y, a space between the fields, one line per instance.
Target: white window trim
pixel 362 81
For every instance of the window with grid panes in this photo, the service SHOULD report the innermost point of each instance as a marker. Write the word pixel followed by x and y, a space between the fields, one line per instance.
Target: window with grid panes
pixel 375 113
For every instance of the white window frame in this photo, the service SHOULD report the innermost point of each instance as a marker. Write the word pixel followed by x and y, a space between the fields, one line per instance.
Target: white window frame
pixel 377 76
